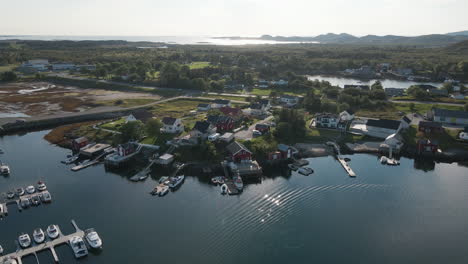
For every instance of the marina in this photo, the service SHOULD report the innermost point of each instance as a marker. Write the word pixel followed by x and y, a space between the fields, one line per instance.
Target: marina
pixel 35 198
pixel 49 245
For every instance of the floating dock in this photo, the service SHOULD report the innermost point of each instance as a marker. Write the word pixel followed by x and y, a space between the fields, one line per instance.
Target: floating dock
pixel 48 245
pixel 17 200
pixel 341 160
pixel 92 162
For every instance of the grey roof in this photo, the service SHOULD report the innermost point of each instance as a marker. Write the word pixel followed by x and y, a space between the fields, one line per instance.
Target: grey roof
pixel 429 124
pixel 256 106
pixel 203 105
pixel 221 101
pixel 202 126
pixel 407 120
pixel 235 147
pixel 384 123
pixel 264 101
pixel 283 147
pixel 169 121
pixel 450 113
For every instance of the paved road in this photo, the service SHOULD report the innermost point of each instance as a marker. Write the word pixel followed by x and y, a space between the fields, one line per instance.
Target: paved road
pixel 247 134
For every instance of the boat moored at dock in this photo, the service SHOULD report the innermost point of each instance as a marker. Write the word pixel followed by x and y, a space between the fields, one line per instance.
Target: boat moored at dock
pixel 176 181
pixel 53 231
pixel 306 171
pixel 46 197
pixel 24 240
pixel 78 246
pixel 93 239
pixel 4 169
pixel 30 189
pixel 41 186
pixel 20 191
pixel 38 235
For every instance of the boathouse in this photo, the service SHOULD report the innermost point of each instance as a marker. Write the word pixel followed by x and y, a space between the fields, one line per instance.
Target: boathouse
pixel 80 142
pixel 427 146
pixel 238 152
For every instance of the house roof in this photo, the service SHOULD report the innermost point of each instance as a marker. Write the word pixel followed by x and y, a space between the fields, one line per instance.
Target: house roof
pixel 201 126
pixel 430 124
pixel 351 112
pixel 142 115
pixel 406 119
pixel 255 106
pixel 169 121
pixel 384 123
pixel 221 101
pixel 80 140
pixel 287 96
pixel 450 113
pixel 231 111
pixel 264 101
pixel 262 126
pixel 215 119
pixel 235 147
pixel 203 105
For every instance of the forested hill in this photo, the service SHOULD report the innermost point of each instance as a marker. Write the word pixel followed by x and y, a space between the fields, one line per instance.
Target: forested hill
pixel 434 40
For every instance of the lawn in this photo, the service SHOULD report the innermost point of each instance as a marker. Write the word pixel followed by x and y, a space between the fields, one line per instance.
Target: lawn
pixel 114 125
pixel 314 135
pixel 176 108
pixel 434 99
pixel 226 97
pixel 391 112
pixel 266 92
pixel 8 67
pixel 423 108
pixel 199 64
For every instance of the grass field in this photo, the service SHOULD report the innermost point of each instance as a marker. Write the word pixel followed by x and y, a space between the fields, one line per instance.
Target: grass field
pixel 446 140
pixel 226 97
pixel 114 125
pixel 199 65
pixel 9 67
pixel 266 92
pixel 393 112
pixel 176 108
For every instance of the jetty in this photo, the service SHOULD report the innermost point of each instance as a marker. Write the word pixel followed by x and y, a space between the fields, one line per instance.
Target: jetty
pixel 142 174
pixel 341 160
pixel 17 201
pixel 94 161
pixel 48 245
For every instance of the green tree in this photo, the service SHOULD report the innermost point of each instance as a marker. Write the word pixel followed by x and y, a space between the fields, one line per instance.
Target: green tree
pixel 131 131
pixel 153 128
pixel 466 107
pixel 8 76
pixel 377 85
pixel 412 107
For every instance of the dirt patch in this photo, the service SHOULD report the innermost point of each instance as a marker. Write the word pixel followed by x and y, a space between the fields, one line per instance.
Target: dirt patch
pixel 62 135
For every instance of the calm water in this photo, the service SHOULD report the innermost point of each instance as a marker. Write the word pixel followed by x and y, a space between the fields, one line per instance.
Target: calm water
pixel 386 83
pixel 385 215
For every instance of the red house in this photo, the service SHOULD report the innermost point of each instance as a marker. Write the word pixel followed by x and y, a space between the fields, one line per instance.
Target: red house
pixel 222 123
pixel 286 151
pixel 264 128
pixel 125 149
pixel 78 143
pixel 427 146
pixel 238 152
pixel 234 112
pixel 430 127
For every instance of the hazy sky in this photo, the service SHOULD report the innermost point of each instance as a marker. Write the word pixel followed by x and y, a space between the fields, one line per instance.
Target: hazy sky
pixel 231 17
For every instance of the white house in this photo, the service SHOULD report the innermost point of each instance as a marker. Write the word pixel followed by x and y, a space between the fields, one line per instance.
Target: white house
pixel 218 103
pixel 165 159
pixel 172 125
pixel 204 107
pixel 457 96
pixel 326 120
pixel 347 115
pixel 379 128
pixel 289 100
pixel 130 118
pixel 202 129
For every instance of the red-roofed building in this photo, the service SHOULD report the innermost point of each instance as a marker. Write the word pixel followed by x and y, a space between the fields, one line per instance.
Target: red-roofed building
pixel 234 112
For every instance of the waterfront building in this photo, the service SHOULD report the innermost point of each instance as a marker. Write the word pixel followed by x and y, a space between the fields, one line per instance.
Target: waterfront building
pixel 202 129
pixel 172 125
pixel 80 142
pixel 239 153
pixel 446 116
pixel 218 103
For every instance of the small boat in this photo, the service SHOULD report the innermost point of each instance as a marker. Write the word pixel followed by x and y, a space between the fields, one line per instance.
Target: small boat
pixel 20 191
pixel 239 184
pixel 46 197
pixel 224 189
pixel 38 235
pixel 134 178
pixel 71 159
pixel 9 260
pixel 293 167
pixel 306 171
pixel 41 186
pixel 25 203
pixel 347 159
pixel 53 231
pixel 1 250
pixel 215 180
pixel 163 179
pixel 4 169
pixel 221 180
pixel 35 200
pixel 176 181
pixel 93 239
pixel 24 240
pixel 30 189
pixel 78 246
pixel 142 178
pixel 11 195
pixel 2 211
pixel 163 190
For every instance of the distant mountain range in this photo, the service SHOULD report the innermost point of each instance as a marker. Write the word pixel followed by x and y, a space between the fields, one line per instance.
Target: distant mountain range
pixel 344 38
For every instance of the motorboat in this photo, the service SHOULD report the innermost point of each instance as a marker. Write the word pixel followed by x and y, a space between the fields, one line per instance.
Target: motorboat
pixel 41 186
pixel 306 171
pixel 30 189
pixel 11 195
pixel 24 240
pixel 53 231
pixel 1 250
pixel 293 167
pixel 35 200
pixel 142 178
pixel 221 180
pixel 46 197
pixel 239 184
pixel 215 180
pixel 78 246
pixel 163 179
pixel 224 189
pixel 134 178
pixel 25 203
pixel 20 191
pixel 2 211
pixel 38 235
pixel 163 190
pixel 176 181
pixel 9 260
pixel 71 160
pixel 1 151
pixel 93 239
pixel 4 169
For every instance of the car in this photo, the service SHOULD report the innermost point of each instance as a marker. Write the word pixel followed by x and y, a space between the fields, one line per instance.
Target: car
pixel 214 137
pixel 256 133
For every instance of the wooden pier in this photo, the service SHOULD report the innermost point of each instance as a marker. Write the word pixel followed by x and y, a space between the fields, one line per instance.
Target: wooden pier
pixel 92 162
pixel 17 201
pixel 341 160
pixel 48 245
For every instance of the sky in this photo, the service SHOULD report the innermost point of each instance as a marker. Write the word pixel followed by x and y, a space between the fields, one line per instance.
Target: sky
pixel 231 17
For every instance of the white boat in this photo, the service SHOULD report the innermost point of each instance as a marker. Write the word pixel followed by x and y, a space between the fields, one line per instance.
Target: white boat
pixel 10 195
pixel 35 200
pixel 239 184
pixel 38 235
pixel 163 179
pixel 78 246
pixel 24 240
pixel 293 167
pixel 93 239
pixel 30 189
pixel 4 169
pixel 25 203
pixel 41 186
pixel 163 190
pixel 20 191
pixel 134 178
pixel 53 231
pixel 176 181
pixel 9 260
pixel 306 171
pixel 2 211
pixel 215 180
pixel 46 197
pixel 71 159
pixel 142 178
pixel 224 189
pixel 1 250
